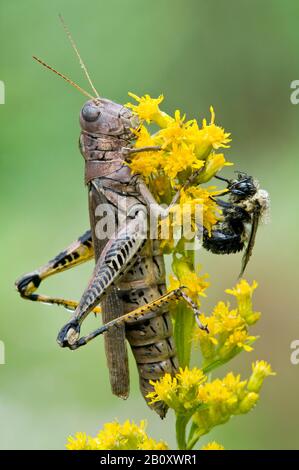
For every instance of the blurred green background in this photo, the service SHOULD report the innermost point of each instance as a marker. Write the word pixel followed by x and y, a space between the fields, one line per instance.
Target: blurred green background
pixel 239 56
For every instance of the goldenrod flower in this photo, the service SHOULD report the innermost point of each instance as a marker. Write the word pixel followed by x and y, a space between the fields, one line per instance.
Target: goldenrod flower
pixel 195 285
pixel 243 293
pixel 175 132
pixel 116 436
pixel 81 442
pixel 184 146
pixel 260 370
pixel 215 135
pixel 212 446
pixel 248 402
pixel 228 328
pixel 185 276
pixel 145 163
pixel 214 163
pixel 180 392
pixel 223 399
pixel 148 109
pixel 151 444
pixel 180 158
pixel 239 338
pixel 209 403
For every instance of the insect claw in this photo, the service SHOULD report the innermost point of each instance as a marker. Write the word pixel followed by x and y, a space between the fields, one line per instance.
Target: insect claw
pixel 200 325
pixel 69 335
pixel 28 284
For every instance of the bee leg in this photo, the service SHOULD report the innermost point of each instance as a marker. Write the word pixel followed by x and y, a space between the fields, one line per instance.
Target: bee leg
pixel 118 255
pixel 78 252
pixel 224 204
pixel 222 179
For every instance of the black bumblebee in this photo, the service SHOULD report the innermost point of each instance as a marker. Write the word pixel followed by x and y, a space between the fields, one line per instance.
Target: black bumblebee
pixel 241 214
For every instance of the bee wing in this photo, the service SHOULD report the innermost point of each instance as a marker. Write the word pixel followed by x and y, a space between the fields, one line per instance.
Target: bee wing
pixel 256 217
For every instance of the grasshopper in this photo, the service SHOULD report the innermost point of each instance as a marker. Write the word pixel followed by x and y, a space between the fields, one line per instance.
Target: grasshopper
pixel 129 275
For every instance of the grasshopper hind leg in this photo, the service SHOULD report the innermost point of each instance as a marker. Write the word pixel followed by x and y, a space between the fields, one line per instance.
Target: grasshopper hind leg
pixel 119 253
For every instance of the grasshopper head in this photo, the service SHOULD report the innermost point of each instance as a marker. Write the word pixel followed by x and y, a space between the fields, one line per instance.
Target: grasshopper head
pixel 104 117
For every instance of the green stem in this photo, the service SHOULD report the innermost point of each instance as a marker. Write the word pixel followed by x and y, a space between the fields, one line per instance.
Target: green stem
pixel 181 423
pixel 183 331
pixel 220 362
pixel 191 442
pixel 193 428
pixel 210 367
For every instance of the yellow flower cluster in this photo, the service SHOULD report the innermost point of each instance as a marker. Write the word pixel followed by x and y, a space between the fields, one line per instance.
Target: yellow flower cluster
pixel 116 436
pixel 209 403
pixel 184 146
pixel 243 293
pixel 212 446
pixel 190 395
pixel 180 392
pixel 229 396
pixel 228 328
pixel 182 149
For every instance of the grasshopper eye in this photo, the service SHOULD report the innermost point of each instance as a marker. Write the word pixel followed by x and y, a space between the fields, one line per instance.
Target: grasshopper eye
pixel 90 112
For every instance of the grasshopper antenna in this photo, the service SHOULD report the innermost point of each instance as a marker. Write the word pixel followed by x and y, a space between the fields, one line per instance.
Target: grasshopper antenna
pixel 83 66
pixel 65 78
